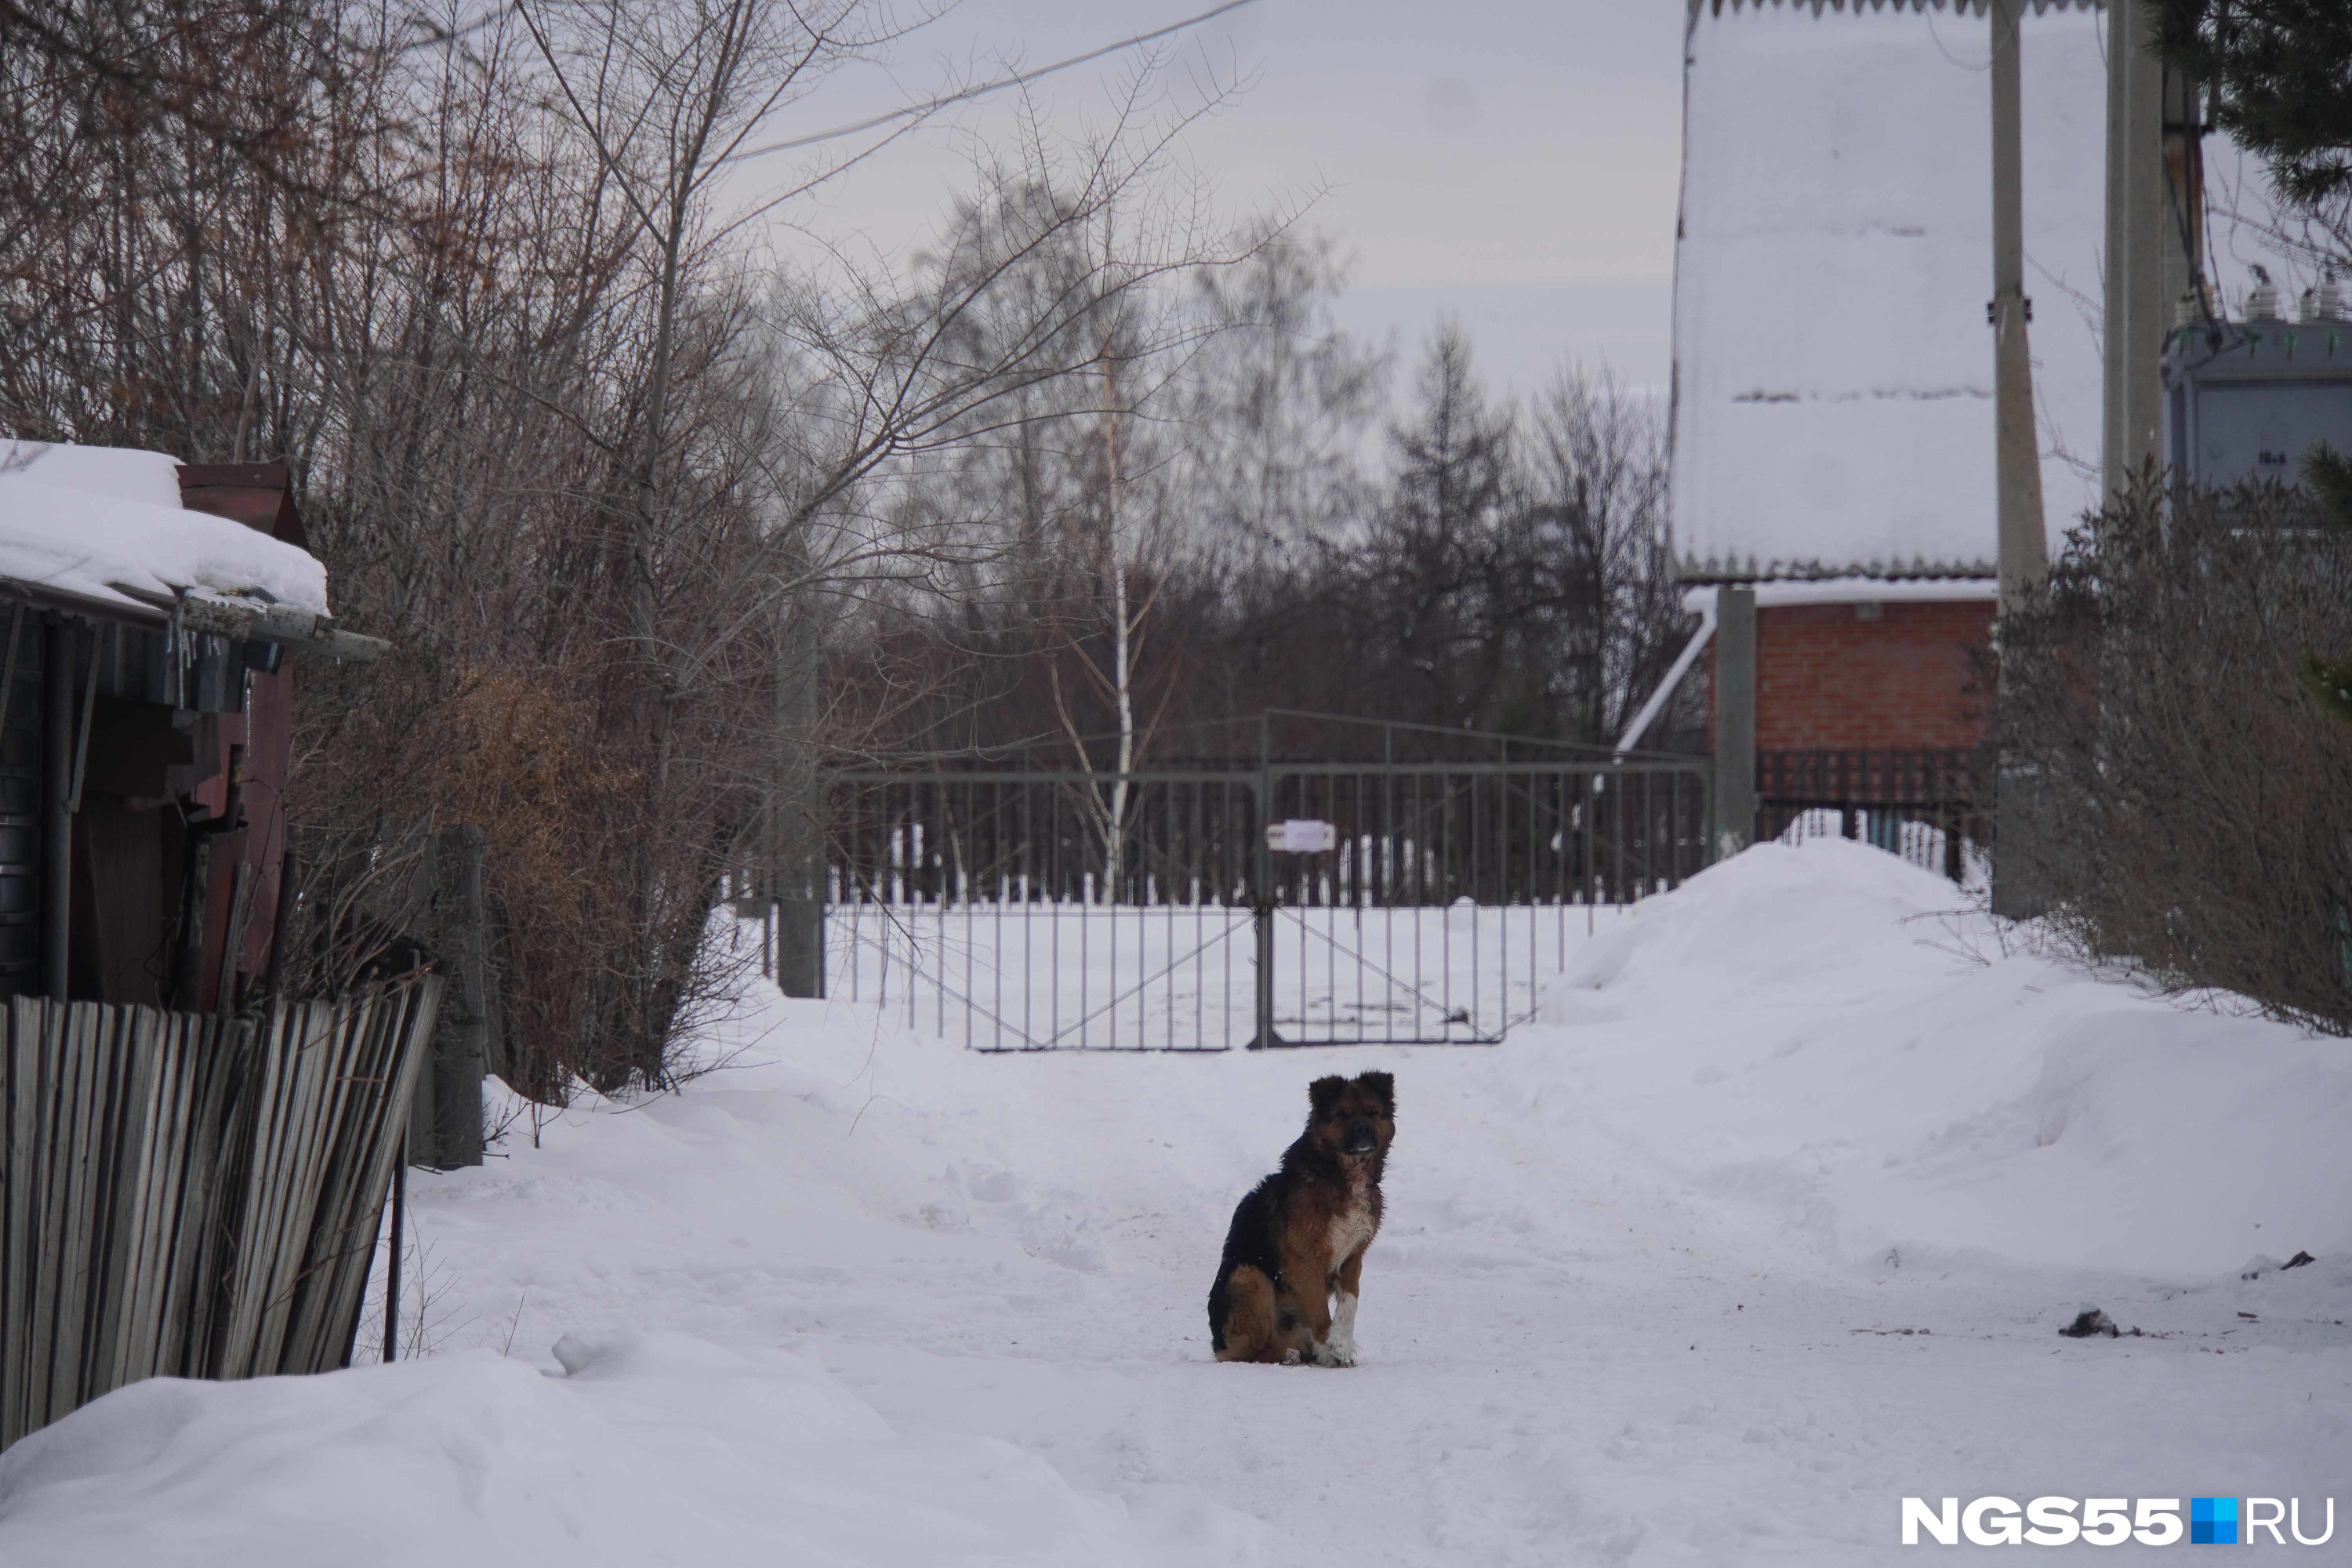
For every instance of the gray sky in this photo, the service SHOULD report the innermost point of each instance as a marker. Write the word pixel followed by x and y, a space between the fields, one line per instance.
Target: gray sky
pixel 1511 162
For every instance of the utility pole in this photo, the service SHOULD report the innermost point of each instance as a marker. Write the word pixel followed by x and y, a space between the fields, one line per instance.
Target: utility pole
pixel 2022 547
pixel 2138 250
pixel 2024 553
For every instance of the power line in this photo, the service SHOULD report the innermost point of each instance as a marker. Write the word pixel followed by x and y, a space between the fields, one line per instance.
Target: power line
pixel 983 89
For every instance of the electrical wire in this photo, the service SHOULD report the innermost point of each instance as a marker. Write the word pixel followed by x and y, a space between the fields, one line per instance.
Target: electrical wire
pixel 1015 78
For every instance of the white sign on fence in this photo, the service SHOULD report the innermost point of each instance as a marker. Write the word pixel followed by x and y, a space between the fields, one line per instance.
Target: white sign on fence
pixel 1301 837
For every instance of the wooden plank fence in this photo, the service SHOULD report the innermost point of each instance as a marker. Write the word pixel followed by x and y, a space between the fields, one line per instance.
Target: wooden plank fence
pixel 183 1194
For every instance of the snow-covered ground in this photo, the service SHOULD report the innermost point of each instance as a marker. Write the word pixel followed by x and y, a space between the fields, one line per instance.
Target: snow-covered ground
pixel 1770 1222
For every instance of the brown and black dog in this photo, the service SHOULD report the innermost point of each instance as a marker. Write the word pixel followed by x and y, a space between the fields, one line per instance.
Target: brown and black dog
pixel 1300 1234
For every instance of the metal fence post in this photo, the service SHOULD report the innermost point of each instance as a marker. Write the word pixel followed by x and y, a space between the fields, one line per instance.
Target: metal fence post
pixel 1261 904
pixel 1735 719
pixel 392 1264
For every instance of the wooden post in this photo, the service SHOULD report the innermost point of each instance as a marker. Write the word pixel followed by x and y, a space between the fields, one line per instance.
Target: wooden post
pixel 461 1045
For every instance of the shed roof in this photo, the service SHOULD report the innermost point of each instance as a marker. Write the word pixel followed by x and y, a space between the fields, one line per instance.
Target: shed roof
pixel 1832 367
pixel 102 529
pixel 1967 7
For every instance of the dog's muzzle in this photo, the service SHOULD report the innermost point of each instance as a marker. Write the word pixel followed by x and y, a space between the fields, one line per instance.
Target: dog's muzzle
pixel 1361 1140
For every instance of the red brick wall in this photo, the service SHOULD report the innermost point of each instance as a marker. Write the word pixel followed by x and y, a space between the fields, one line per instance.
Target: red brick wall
pixel 1827 677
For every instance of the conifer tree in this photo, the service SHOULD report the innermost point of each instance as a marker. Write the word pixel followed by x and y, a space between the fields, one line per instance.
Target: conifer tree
pixel 2281 75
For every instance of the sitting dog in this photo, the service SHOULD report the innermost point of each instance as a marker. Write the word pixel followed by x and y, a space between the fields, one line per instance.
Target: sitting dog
pixel 1300 1234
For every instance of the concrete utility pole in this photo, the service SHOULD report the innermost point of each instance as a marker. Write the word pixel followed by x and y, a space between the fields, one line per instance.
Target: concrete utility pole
pixel 796 804
pixel 1735 718
pixel 2138 250
pixel 2024 552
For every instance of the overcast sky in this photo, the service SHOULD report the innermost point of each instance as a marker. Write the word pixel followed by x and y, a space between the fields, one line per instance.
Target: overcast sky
pixel 1511 162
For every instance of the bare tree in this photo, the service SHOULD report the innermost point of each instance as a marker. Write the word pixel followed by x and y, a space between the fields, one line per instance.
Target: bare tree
pixel 1509 572
pixel 1596 498
pixel 556 427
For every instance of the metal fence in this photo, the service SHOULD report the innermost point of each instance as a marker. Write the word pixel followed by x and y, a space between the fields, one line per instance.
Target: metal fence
pixel 1930 807
pixel 1035 909
pixel 192 1196
pixel 1025 909
pixel 1455 890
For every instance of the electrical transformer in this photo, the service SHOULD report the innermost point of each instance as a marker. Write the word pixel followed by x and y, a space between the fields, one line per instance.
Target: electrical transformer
pixel 2244 400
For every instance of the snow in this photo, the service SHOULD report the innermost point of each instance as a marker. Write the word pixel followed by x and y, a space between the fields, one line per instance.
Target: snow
pixel 1700 601
pixel 1770 1222
pixel 105 524
pixel 647 1449
pixel 2017 1109
pixel 117 473
pixel 1832 366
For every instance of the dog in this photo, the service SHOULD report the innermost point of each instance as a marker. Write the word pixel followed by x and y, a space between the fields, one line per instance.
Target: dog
pixel 1299 1236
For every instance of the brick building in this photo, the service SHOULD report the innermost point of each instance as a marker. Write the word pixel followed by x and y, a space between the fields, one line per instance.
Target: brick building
pixel 1853 675
pixel 1833 498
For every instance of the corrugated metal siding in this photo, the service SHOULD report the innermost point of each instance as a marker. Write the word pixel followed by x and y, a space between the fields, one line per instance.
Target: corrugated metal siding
pixel 1966 7
pixel 192 1194
pixel 1752 568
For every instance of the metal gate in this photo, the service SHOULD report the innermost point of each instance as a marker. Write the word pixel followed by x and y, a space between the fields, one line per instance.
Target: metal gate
pixel 1391 903
pixel 1454 890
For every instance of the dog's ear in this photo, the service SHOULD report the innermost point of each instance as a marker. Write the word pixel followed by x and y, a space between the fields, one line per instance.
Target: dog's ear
pixel 1384 1086
pixel 1324 1093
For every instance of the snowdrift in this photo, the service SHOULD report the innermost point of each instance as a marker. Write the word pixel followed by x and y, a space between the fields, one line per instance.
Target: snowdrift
pixel 1828 1027
pixel 643 1450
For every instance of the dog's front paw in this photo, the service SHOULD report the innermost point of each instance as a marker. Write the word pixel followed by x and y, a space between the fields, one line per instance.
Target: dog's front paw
pixel 1337 1353
pixel 1290 1358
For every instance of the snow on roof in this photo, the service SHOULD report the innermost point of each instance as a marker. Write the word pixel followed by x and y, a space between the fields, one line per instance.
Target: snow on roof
pixel 105 524
pixel 1700 600
pixel 1832 366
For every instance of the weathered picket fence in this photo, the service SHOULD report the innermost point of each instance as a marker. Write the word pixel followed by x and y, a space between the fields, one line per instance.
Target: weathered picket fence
pixel 192 1196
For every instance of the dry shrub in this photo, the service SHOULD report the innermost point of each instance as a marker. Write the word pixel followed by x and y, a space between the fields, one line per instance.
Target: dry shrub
pixel 510 752
pixel 2196 813
pixel 598 882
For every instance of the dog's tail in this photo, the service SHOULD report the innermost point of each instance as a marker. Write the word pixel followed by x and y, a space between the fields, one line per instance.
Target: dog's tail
pixel 1243 1315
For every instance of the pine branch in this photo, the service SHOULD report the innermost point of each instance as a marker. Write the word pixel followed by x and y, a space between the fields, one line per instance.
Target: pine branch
pixel 2331 683
pixel 2327 479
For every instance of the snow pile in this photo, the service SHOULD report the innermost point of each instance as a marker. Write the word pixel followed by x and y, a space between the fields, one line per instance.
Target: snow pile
pixel 1832 367
pixel 1773 1222
pixel 1826 1023
pixel 649 1449
pixel 105 524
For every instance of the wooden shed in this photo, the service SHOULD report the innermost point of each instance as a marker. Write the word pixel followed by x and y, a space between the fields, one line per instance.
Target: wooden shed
pixel 146 611
pixel 193 1164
